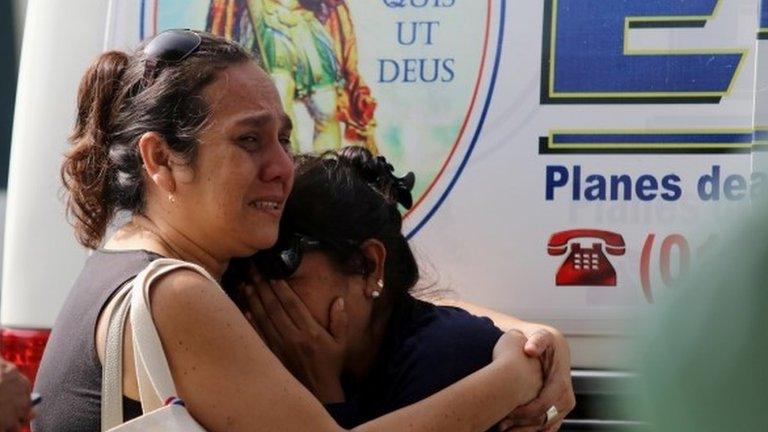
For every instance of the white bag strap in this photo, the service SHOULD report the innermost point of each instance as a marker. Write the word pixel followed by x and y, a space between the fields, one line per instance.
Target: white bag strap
pixel 112 369
pixel 152 370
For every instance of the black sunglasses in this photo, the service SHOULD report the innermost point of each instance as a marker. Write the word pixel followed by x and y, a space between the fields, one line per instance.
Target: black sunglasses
pixel 170 46
pixel 282 260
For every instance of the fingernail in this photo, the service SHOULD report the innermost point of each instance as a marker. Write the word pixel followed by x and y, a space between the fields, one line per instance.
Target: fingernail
pixel 340 304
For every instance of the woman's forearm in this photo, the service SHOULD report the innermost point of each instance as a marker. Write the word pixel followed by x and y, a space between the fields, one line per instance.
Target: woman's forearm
pixel 473 404
pixel 502 321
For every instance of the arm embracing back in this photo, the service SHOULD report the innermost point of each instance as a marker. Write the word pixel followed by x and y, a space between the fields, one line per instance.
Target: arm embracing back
pixel 231 381
pixel 475 403
pixel 502 321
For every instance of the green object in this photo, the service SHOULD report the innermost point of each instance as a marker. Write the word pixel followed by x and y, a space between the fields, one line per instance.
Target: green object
pixel 704 362
pixel 294 42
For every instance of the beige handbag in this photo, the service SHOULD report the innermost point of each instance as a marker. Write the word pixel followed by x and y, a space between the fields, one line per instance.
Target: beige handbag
pixel 162 409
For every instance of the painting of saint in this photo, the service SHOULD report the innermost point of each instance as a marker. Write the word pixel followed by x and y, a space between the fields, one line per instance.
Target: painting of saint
pixel 310 50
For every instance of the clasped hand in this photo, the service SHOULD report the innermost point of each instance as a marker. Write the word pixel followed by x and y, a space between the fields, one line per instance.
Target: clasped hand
pixel 552 350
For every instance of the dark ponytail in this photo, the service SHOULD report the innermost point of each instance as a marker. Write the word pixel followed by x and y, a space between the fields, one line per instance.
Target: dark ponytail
pixel 102 172
pixel 86 164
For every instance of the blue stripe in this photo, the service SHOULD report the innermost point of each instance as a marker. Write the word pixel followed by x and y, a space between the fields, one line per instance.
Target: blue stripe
pixel 141 18
pixel 589 54
pixel 764 14
pixel 634 138
pixel 477 131
pixel 761 135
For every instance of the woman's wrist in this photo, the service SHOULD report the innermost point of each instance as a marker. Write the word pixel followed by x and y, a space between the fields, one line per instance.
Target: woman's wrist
pixel 512 375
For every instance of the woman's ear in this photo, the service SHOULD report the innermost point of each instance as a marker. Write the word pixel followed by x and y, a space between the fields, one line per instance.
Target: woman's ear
pixel 156 157
pixel 375 254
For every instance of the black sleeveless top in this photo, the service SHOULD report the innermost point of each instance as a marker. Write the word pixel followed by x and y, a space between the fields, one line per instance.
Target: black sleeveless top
pixel 69 379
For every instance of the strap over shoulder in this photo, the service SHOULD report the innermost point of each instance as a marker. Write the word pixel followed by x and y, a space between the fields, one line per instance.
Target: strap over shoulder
pixel 112 369
pixel 155 381
pixel 154 375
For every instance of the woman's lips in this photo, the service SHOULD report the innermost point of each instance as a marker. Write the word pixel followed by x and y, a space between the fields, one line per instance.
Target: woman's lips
pixel 272 207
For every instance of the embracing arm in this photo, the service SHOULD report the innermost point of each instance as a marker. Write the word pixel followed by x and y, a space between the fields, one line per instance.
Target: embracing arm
pixel 550 346
pixel 231 381
pixel 475 403
pixel 502 321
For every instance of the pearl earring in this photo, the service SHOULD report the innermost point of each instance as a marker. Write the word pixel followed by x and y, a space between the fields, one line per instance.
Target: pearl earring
pixel 377 293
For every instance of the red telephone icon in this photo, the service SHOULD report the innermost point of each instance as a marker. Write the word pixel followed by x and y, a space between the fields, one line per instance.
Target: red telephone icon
pixel 586 266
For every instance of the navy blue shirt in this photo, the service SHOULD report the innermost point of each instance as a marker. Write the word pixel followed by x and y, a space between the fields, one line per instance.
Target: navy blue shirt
pixel 426 348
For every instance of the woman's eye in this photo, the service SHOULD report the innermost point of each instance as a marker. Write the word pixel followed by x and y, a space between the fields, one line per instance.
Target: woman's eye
pixel 286 143
pixel 249 143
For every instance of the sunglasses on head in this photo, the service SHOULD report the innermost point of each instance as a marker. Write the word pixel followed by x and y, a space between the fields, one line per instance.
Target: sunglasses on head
pixel 170 46
pixel 282 260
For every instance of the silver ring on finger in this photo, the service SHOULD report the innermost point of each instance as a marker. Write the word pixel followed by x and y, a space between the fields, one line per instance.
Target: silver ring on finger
pixel 551 414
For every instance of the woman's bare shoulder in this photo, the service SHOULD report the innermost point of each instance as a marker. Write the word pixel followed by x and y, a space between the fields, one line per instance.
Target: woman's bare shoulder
pixel 185 288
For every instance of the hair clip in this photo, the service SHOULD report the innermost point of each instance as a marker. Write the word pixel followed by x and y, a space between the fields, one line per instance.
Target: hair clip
pixel 380 173
pixel 403 188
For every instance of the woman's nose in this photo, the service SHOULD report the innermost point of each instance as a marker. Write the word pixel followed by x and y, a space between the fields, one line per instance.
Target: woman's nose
pixel 278 166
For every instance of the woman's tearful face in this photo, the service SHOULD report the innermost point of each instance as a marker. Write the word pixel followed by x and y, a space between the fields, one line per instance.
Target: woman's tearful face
pixel 243 172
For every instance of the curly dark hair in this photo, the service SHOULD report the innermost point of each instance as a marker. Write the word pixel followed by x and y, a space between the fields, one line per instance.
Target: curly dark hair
pixel 102 171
